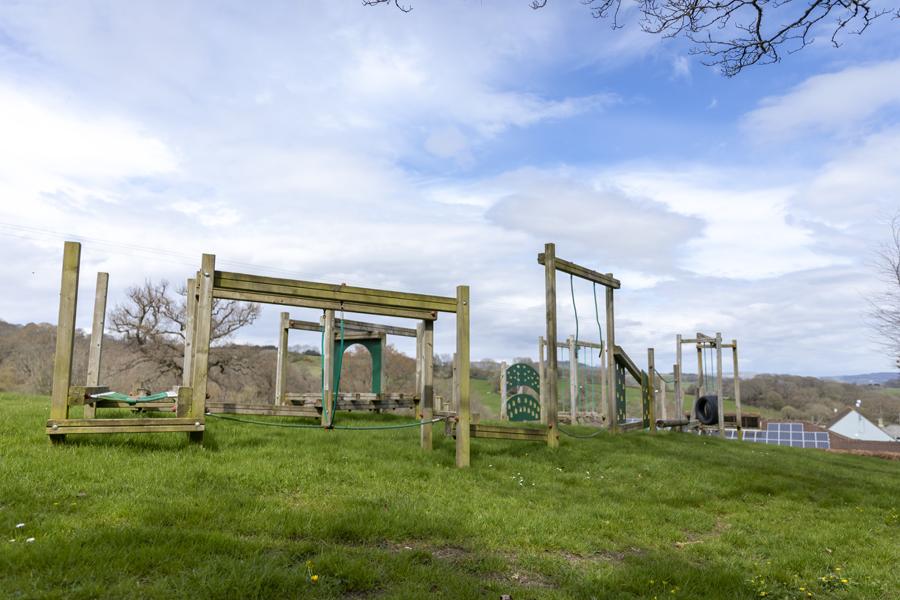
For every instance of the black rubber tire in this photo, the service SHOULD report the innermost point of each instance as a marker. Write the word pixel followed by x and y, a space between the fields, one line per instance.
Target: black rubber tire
pixel 707 409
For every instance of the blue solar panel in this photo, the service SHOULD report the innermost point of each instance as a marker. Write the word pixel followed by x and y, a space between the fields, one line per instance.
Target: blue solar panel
pixel 784 434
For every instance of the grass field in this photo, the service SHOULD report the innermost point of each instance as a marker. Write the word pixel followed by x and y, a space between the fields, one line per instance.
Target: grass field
pixel 262 512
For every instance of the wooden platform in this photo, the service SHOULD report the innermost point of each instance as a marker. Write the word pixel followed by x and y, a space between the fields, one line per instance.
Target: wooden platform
pixel 504 432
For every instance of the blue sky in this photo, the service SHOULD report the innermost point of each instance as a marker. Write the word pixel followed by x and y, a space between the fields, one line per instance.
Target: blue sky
pixel 333 142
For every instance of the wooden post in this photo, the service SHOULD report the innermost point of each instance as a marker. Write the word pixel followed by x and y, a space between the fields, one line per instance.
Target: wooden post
pixel 202 338
pixel 676 370
pixel 542 376
pixel 420 333
pixel 281 360
pixel 663 409
pixel 426 392
pixel 701 381
pixel 719 390
pixel 328 403
pixel 737 389
pixel 65 334
pixel 503 392
pixel 611 361
pixel 603 376
pixel 552 352
pixel 651 381
pixel 190 320
pixel 383 366
pixel 96 352
pixel 454 385
pixel 676 373
pixel 463 417
pixel 573 380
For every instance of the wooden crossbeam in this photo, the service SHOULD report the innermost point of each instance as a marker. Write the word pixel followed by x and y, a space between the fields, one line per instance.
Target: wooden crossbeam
pixel 352 307
pixel 355 328
pixel 504 432
pixel 127 425
pixel 341 294
pixel 583 272
pixel 262 410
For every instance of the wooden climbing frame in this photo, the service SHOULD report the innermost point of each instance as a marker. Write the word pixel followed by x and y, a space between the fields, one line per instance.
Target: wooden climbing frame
pixel 702 341
pixel 342 298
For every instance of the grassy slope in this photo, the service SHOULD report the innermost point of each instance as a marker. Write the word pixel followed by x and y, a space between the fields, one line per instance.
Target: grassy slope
pixel 628 516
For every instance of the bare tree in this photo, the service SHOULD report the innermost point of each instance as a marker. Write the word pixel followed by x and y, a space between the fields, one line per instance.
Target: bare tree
pixel 735 34
pixel 153 323
pixel 884 309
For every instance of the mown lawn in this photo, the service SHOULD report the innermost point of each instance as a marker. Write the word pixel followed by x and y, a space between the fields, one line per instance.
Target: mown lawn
pixel 257 511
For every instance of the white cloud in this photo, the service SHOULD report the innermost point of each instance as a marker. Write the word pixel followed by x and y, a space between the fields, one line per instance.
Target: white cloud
pixel 681 67
pixel 832 103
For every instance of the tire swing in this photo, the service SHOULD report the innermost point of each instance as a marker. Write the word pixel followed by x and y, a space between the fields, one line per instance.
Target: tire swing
pixel 707 406
pixel 707 409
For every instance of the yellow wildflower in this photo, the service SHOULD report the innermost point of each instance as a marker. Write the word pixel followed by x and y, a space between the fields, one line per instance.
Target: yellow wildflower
pixel 314 578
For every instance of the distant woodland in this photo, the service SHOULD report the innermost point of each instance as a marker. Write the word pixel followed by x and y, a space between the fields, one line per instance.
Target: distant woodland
pixel 246 373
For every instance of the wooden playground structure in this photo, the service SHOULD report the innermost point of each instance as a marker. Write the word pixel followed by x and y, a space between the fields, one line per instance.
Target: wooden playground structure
pixel 712 346
pixel 191 404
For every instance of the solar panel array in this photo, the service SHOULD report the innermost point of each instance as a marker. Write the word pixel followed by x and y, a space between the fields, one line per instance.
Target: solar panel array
pixel 784 434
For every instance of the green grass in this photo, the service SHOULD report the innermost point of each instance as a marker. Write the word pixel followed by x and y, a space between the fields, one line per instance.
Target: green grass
pixel 627 516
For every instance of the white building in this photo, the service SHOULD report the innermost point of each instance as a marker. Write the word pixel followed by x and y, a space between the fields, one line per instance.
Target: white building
pixel 853 425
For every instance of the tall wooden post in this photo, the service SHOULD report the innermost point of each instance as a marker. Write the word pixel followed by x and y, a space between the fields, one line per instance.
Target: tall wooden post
pixel 542 376
pixel 552 352
pixel 719 390
pixel 202 338
pixel 737 389
pixel 65 335
pixel 651 381
pixel 463 417
pixel 420 333
pixel 573 380
pixel 679 406
pixel 701 380
pixel 96 352
pixel 663 401
pixel 676 373
pixel 611 361
pixel 454 384
pixel 426 392
pixel 328 400
pixel 603 375
pixel 504 392
pixel 284 328
pixel 190 320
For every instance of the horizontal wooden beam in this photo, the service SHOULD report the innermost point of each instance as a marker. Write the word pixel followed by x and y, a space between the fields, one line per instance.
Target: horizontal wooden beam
pixel 583 272
pixel 261 409
pixel 342 294
pixel 249 296
pixel 127 425
pixel 356 327
pixel 504 432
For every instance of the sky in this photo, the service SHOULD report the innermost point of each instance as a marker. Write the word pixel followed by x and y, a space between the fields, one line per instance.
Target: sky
pixel 418 151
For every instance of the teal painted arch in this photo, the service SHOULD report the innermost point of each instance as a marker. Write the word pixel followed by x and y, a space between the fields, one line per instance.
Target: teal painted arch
pixel 375 346
pixel 523 375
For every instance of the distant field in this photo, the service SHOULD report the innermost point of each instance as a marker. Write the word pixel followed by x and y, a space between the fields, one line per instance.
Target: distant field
pixel 261 512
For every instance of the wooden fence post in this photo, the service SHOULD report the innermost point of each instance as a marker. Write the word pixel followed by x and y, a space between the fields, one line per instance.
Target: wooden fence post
pixel 552 351
pixel 427 382
pixel 65 335
pixel 503 392
pixel 202 339
pixel 96 352
pixel 420 382
pixel 190 320
pixel 676 373
pixel 737 389
pixel 611 361
pixel 328 358
pixel 281 364
pixel 463 417
pixel 719 391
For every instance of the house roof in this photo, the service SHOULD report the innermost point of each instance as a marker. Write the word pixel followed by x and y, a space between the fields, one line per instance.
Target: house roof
pixel 855 426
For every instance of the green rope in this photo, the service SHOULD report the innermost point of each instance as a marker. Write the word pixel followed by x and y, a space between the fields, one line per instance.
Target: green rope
pixel 329 411
pixel 311 426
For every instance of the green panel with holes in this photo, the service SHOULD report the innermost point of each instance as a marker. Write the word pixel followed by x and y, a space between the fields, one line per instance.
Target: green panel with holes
pixel 523 407
pixel 521 374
